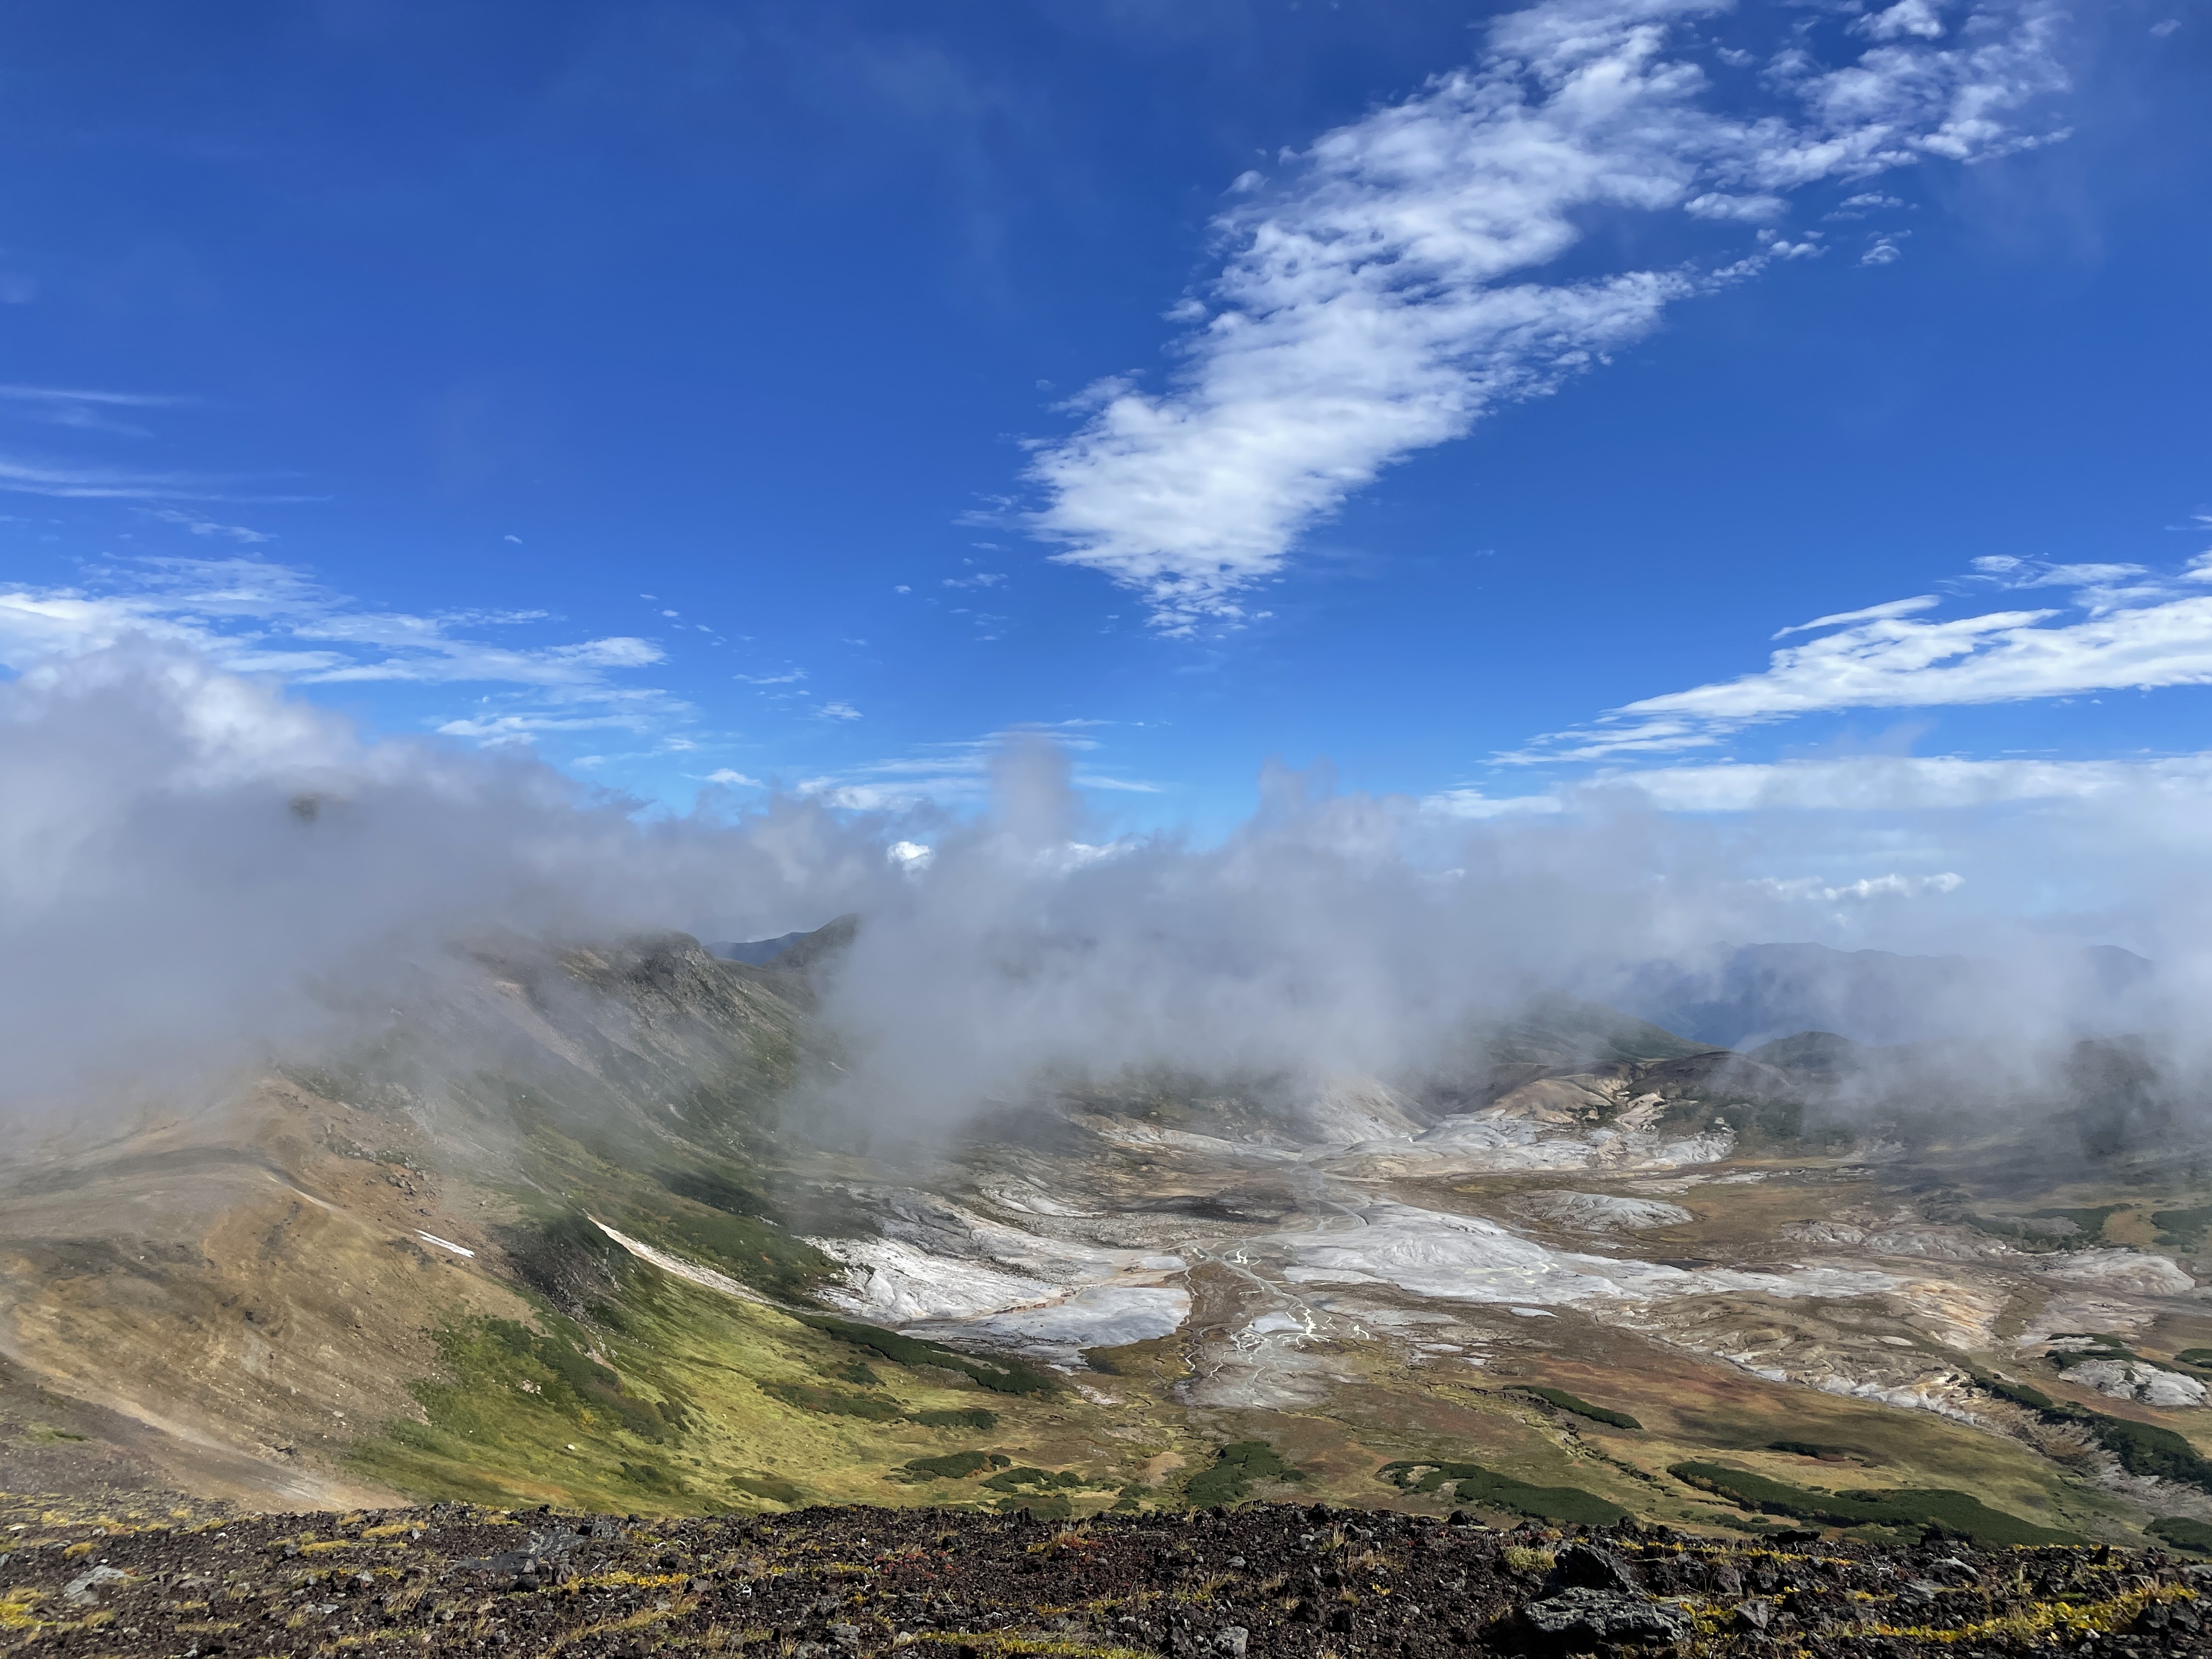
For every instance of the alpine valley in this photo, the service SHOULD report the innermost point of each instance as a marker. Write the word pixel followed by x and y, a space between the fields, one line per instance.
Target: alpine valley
pixel 577 1228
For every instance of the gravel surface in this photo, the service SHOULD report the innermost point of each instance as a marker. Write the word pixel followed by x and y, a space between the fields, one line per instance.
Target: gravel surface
pixel 1261 1580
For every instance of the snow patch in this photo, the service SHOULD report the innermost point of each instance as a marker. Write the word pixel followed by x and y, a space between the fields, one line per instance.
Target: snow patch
pixel 678 1266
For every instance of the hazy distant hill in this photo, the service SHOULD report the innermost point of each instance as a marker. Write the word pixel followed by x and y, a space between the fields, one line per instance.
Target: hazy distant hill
pixel 1757 992
pixel 759 952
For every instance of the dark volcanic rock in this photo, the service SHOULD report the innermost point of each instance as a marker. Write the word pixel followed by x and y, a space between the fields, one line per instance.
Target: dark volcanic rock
pixel 1579 1613
pixel 831 1583
pixel 1592 1566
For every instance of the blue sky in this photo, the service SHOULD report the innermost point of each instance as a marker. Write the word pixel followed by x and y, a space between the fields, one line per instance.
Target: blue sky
pixel 1469 398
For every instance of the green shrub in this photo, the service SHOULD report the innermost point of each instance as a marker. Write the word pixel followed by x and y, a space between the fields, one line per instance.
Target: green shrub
pixel 2091 1223
pixel 1472 1483
pixel 2200 1358
pixel 2144 1448
pixel 1567 1505
pixel 652 1477
pixel 1567 1402
pixel 565 1378
pixel 752 1250
pixel 2018 1393
pixel 769 1486
pixel 1954 1511
pixel 953 1466
pixel 2183 1533
pixel 830 1402
pixel 1748 1489
pixel 1000 1376
pixel 2182 1229
pixel 1235 1468
pixel 1807 1448
pixel 1014 1479
pixel 978 1419
pixel 732 1198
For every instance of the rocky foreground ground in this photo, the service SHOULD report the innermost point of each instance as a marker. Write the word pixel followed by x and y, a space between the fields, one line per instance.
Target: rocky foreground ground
pixel 1260 1580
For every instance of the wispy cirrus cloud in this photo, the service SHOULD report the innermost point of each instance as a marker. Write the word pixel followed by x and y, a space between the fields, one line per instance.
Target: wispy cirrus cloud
pixel 87 411
pixel 2127 628
pixel 1375 301
pixel 59 395
pixel 959 773
pixel 1861 783
pixel 254 615
pixel 202 526
pixel 76 481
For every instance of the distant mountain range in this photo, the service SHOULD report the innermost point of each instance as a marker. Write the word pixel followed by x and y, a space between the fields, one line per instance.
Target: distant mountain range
pixel 1757 992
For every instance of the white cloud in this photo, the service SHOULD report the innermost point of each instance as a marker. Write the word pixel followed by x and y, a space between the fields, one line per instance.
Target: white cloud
pixel 53 394
pixel 1375 303
pixel 199 527
pixel 495 731
pixel 1858 207
pixel 71 481
pixel 78 410
pixel 2143 636
pixel 252 615
pixel 725 775
pixel 427 655
pixel 837 711
pixel 1885 251
pixel 2096 588
pixel 1713 204
pixel 950 773
pixel 789 676
pixel 1820 890
pixel 1917 18
pixel 1866 783
pixel 1871 613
